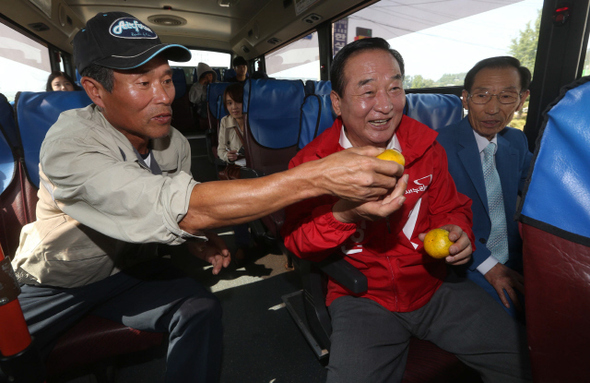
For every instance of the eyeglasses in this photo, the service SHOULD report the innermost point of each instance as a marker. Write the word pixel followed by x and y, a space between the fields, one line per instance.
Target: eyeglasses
pixel 504 97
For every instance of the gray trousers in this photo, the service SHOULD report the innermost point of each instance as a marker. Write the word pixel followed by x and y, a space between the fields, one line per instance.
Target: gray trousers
pixel 370 343
pixel 154 297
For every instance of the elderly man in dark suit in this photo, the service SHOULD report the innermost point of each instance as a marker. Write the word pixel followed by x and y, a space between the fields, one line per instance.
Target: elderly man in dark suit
pixel 489 162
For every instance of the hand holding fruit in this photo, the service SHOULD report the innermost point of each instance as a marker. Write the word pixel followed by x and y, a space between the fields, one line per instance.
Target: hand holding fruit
pixel 349 211
pixel 456 242
pixel 393 155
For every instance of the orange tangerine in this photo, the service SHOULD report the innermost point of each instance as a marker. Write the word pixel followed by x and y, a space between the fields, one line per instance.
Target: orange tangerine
pixel 437 243
pixel 393 155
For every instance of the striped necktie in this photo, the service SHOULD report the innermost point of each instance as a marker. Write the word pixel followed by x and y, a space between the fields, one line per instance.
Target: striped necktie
pixel 497 242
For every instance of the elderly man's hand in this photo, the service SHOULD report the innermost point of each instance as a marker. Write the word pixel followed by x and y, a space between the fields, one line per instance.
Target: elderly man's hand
pixel 213 251
pixel 357 175
pixel 503 279
pixel 461 250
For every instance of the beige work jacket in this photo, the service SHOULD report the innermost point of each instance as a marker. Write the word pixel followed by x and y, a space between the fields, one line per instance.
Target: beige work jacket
pixel 100 209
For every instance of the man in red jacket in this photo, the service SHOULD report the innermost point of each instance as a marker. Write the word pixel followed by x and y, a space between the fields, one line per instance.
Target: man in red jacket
pixel 409 293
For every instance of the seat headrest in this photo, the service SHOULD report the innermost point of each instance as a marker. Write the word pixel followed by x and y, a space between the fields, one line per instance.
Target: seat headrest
pixel 434 110
pixel 7 163
pixel 214 93
pixel 316 116
pixel 273 111
pixel 7 121
pixel 179 80
pixel 36 113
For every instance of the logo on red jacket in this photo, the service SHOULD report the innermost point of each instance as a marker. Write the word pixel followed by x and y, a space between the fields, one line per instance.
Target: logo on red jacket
pixel 421 185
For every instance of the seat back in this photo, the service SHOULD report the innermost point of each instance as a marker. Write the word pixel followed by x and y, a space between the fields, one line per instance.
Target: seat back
pixel 319 87
pixel 272 123
pixel 182 112
pixel 215 112
pixel 35 114
pixel 316 116
pixel 18 197
pixel 434 110
pixel 8 218
pixel 555 225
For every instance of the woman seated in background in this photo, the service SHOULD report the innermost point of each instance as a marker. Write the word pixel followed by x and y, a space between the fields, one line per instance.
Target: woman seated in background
pixel 60 81
pixel 230 148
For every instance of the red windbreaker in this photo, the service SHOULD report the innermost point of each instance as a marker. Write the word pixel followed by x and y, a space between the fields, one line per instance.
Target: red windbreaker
pixel 401 276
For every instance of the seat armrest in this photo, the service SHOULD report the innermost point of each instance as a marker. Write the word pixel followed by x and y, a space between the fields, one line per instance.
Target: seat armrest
pixel 344 273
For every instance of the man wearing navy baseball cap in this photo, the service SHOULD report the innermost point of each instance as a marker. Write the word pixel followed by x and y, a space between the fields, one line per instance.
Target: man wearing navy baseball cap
pixel 116 182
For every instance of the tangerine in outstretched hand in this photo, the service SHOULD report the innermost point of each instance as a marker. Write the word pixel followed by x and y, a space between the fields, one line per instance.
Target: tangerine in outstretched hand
pixel 437 243
pixel 393 155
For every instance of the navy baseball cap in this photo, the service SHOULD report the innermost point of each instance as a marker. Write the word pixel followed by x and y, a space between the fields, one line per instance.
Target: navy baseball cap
pixel 118 40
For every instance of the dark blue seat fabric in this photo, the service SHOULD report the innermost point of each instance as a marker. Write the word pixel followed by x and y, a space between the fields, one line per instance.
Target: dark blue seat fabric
pixel 320 87
pixel 558 193
pixel 228 74
pixel 179 80
pixel 273 111
pixel 214 95
pixel 434 110
pixel 7 121
pixel 316 116
pixel 7 163
pixel 36 113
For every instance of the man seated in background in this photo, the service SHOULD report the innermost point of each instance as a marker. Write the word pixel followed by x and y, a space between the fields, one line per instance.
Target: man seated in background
pixel 489 162
pixel 240 67
pixel 409 293
pixel 116 182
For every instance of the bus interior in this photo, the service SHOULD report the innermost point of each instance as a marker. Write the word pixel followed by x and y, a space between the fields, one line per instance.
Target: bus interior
pixel 274 319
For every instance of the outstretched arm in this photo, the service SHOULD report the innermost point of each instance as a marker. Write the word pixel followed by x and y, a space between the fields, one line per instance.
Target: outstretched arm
pixel 354 174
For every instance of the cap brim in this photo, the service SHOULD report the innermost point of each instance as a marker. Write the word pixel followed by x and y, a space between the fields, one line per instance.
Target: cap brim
pixel 174 52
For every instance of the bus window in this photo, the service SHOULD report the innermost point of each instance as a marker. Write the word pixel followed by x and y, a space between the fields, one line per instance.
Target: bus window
pixel 299 60
pixel 216 60
pixel 24 63
pixel 441 41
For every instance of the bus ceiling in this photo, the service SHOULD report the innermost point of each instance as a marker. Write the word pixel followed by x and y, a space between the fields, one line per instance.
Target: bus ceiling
pixel 249 28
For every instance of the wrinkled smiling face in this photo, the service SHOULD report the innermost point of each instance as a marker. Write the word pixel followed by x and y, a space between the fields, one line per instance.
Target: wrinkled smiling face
pixel 373 99
pixel 490 118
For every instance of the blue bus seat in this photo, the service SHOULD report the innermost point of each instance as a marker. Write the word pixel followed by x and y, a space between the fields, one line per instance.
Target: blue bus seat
pixel 179 81
pixel 319 87
pixel 272 123
pixel 434 110
pixel 316 116
pixel 554 217
pixel 8 123
pixel 272 110
pixel 10 220
pixel 215 112
pixel 35 113
pixel 182 111
pixel 228 74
